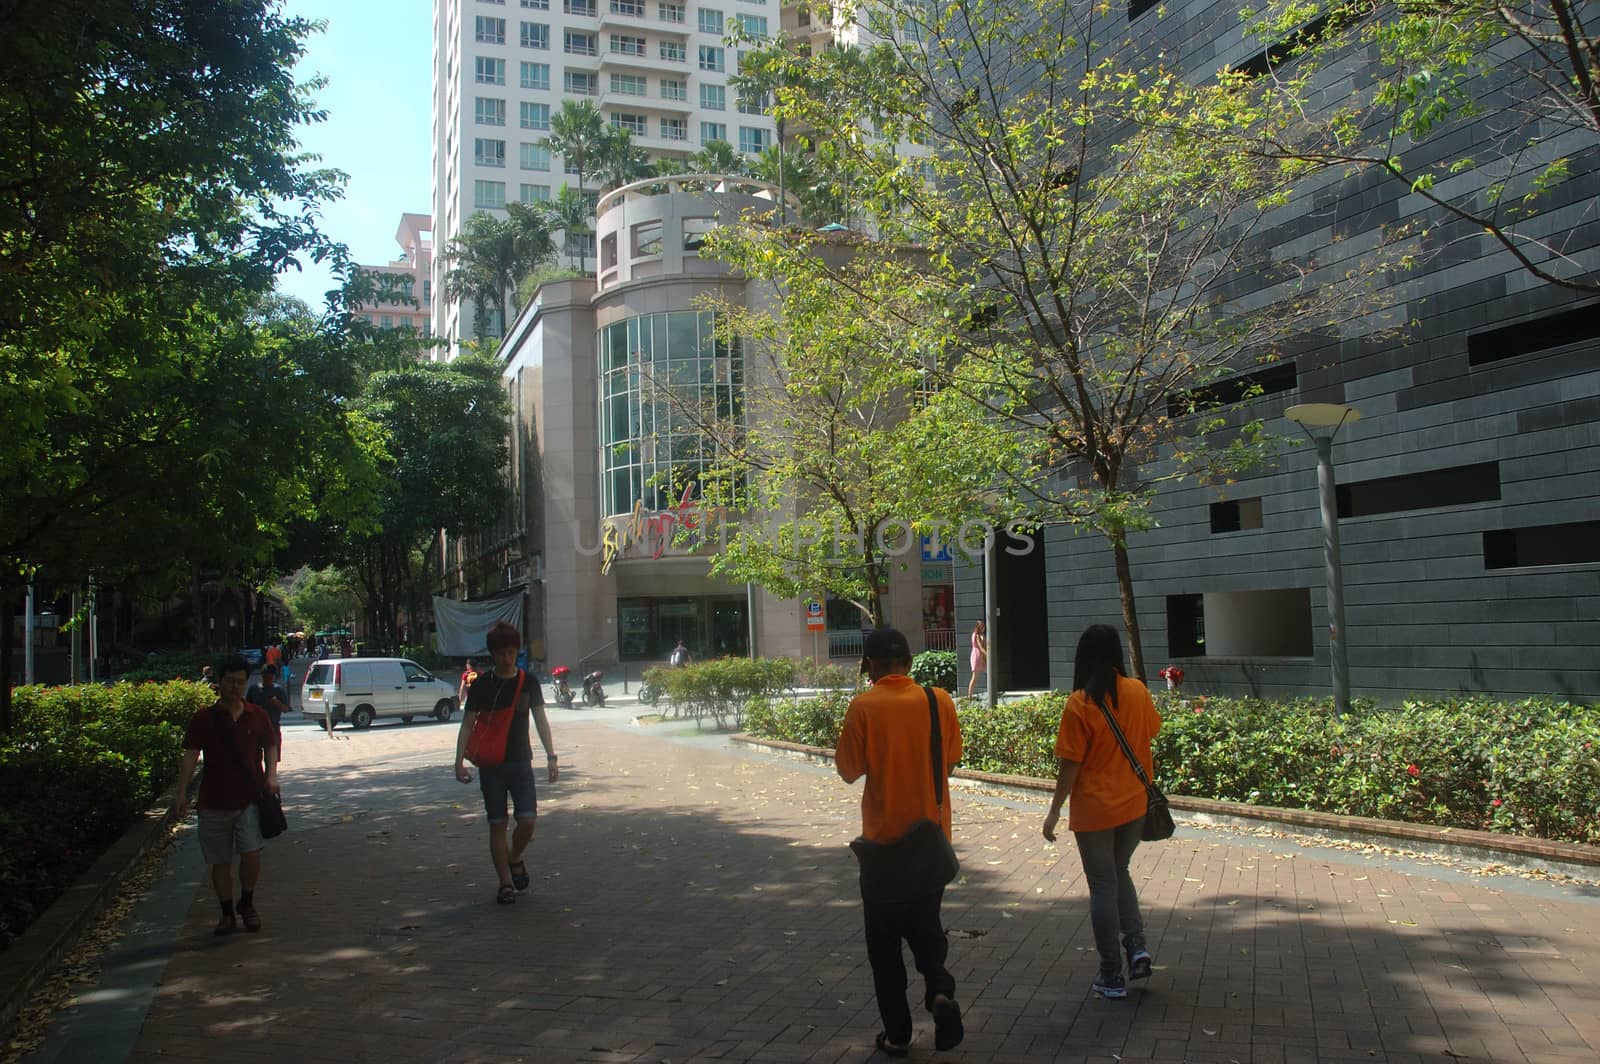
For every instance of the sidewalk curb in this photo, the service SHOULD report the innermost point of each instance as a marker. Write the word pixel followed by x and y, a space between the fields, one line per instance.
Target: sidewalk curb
pixel 36 953
pixel 1512 850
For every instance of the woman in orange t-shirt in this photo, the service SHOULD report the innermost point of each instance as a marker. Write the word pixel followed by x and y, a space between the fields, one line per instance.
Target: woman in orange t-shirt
pixel 1108 800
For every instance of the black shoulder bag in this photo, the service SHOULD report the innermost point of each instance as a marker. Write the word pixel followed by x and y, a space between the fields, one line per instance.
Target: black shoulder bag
pixel 921 862
pixel 269 807
pixel 1158 823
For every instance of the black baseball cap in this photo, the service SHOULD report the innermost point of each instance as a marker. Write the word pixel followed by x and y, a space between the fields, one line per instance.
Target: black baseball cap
pixel 885 644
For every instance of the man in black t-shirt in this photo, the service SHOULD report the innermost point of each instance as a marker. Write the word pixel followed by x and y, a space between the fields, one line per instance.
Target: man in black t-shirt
pixel 270 696
pixel 493 691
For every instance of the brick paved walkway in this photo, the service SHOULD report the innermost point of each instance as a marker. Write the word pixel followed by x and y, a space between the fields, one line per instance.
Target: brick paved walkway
pixel 695 901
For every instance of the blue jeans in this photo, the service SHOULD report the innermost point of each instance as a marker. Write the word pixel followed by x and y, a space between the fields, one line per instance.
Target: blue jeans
pixel 1113 903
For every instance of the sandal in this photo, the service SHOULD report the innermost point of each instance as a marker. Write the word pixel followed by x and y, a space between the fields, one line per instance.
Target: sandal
pixel 519 875
pixel 506 895
pixel 889 1049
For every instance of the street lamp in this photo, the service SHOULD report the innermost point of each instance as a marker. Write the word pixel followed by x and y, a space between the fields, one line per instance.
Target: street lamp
pixel 1321 422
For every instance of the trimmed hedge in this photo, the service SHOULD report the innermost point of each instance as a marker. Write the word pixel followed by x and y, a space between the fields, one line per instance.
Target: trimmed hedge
pixel 1524 768
pixel 78 768
pixel 935 668
pixel 720 688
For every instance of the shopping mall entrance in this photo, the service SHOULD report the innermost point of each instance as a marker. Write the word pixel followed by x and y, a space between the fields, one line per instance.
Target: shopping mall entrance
pixel 710 626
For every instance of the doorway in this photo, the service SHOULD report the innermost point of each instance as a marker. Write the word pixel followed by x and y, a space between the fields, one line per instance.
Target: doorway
pixel 1022 645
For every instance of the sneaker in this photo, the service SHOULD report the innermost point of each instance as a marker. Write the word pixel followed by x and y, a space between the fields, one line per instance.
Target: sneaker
pixel 1110 986
pixel 1140 964
pixel 251 919
pixel 226 926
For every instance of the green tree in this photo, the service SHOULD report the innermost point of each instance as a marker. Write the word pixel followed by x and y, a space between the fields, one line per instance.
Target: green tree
pixel 1520 78
pixel 716 157
pixel 837 453
pixel 620 160
pixel 442 430
pixel 322 598
pixel 134 251
pixel 578 133
pixel 491 255
pixel 1081 211
pixel 570 214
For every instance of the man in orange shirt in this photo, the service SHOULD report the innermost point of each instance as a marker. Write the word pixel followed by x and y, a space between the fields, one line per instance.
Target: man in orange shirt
pixel 887 738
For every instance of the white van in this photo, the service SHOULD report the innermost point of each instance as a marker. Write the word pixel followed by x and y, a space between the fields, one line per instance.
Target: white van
pixel 360 690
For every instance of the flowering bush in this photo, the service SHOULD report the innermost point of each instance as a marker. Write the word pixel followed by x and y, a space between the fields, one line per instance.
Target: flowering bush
pixel 1525 768
pixel 77 768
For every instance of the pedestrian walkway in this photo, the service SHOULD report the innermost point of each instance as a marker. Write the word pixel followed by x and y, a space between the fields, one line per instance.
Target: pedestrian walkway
pixel 695 901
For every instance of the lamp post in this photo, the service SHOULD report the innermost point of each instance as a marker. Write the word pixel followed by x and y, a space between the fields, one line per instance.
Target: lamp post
pixel 1321 422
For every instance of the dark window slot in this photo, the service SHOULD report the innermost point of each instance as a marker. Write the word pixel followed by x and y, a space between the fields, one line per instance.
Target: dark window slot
pixel 1568 544
pixel 1455 486
pixel 1291 46
pixel 1539 334
pixel 1235 515
pixel 1186 626
pixel 1139 7
pixel 1270 381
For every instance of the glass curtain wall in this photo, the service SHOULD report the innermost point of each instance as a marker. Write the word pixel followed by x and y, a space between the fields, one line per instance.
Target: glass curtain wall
pixel 652 366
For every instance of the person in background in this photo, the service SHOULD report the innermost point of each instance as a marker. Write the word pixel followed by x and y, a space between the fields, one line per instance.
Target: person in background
pixel 980 656
pixel 241 758
pixel 680 656
pixel 887 737
pixel 469 673
pixel 1106 814
pixel 267 695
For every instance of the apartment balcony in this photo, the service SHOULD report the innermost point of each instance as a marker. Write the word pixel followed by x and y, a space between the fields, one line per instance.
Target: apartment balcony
pixel 645 23
pixel 631 61
pixel 622 101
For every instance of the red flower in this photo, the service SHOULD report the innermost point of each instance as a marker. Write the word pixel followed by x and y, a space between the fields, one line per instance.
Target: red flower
pixel 1495 803
pixel 1413 770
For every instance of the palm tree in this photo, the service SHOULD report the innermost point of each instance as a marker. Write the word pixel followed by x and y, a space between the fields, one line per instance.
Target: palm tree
pixel 716 157
pixel 620 161
pixel 569 214
pixel 578 134
pixel 489 257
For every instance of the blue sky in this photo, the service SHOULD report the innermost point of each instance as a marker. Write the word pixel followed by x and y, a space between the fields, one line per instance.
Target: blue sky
pixel 377 58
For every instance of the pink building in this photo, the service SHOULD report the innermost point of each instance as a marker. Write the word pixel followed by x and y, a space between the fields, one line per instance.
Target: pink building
pixel 410 278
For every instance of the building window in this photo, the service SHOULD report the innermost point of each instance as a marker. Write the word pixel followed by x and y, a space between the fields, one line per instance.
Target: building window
pixel 1452 486
pixel 629 84
pixel 387 322
pixel 626 44
pixel 534 115
pixel 427 290
pixel 1273 380
pixel 647 239
pixel 712 58
pixel 535 194
pixel 753 25
pixel 1240 624
pixel 635 124
pixel 486 152
pixel 576 42
pixel 580 83
pixel 489 71
pixel 670 12
pixel 536 76
pixel 535 35
pixel 674 129
pixel 674 89
pixel 535 157
pixel 1560 329
pixel 608 251
pixel 489 195
pixel 1575 543
pixel 694 232
pixel 753 103
pixel 580 7
pixel 710 20
pixel 536 5
pixel 674 52
pixel 754 141
pixel 631 8
pixel 488 111
pixel 710 131
pixel 1235 515
pixel 1186 626
pixel 488 30
pixel 713 97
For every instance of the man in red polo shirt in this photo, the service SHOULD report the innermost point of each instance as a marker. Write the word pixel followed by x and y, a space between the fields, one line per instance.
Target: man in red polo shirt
pixel 241 755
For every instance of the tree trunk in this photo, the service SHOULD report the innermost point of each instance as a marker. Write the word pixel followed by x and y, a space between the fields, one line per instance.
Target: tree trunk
pixel 1130 615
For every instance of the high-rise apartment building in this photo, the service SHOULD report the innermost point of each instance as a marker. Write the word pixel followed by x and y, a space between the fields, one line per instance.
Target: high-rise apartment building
pixel 406 284
pixel 659 68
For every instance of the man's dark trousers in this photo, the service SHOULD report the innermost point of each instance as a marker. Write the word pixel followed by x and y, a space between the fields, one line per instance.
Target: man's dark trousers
pixel 917 922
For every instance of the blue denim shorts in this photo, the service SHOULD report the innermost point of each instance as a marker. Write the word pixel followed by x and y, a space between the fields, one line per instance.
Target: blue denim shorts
pixel 514 778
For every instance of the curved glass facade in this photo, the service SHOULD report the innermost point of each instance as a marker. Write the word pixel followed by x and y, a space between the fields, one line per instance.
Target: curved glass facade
pixel 651 451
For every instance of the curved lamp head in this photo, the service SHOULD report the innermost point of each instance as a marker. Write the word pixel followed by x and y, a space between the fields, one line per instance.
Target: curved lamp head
pixel 1330 417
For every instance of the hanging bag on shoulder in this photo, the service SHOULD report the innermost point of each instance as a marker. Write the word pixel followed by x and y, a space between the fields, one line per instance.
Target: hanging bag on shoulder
pixel 1158 823
pixel 921 862
pixel 486 745
pixel 269 807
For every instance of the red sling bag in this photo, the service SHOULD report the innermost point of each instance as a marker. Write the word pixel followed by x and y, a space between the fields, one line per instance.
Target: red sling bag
pixel 486 745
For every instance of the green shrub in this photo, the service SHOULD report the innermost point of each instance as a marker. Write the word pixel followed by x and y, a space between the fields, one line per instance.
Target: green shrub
pixel 826 675
pixel 170 665
pixel 79 766
pixel 1526 768
pixel 721 688
pixel 935 668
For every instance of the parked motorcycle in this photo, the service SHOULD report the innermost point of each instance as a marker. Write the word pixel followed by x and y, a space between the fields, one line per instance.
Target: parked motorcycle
pixel 593 693
pixel 558 680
